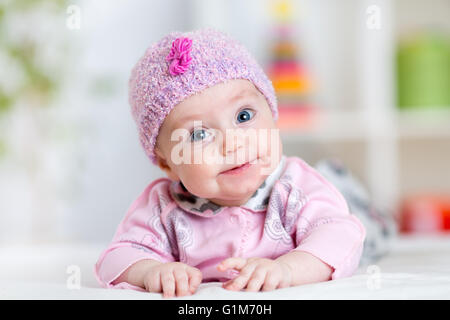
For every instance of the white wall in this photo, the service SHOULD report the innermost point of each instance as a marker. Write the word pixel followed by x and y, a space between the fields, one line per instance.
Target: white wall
pixel 113 169
pixel 108 168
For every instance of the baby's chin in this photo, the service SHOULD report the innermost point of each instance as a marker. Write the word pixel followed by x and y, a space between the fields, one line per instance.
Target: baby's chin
pixel 244 189
pixel 232 200
pixel 227 193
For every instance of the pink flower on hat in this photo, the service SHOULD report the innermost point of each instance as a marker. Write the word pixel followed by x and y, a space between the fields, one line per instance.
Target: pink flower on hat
pixel 179 55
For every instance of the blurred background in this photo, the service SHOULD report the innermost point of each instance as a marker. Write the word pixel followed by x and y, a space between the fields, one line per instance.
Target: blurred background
pixel 365 82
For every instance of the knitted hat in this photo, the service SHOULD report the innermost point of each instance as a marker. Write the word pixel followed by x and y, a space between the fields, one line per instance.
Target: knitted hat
pixel 182 64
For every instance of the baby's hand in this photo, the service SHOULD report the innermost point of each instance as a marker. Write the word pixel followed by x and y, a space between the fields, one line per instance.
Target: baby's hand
pixel 257 273
pixel 171 278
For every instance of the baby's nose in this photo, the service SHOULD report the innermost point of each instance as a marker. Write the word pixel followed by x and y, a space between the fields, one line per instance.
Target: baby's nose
pixel 232 143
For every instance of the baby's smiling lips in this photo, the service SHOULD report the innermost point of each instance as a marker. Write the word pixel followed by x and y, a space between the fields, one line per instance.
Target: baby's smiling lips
pixel 239 168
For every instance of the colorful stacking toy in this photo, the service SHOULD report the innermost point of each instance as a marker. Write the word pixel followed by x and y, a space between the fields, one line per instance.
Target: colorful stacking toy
pixel 287 71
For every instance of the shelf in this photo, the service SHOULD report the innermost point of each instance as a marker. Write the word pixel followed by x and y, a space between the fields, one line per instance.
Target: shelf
pixel 430 123
pixel 329 125
pixel 424 123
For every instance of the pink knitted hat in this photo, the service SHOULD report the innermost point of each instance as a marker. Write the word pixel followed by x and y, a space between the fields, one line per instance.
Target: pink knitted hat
pixel 182 64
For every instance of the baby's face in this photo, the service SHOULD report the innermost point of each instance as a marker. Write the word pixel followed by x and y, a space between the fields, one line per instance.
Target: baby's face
pixel 207 134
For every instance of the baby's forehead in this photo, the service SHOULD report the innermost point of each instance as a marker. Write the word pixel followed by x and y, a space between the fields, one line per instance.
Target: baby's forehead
pixel 223 91
pixel 216 97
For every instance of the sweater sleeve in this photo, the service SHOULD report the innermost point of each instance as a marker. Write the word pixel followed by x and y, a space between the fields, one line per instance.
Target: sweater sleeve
pixel 326 229
pixel 140 235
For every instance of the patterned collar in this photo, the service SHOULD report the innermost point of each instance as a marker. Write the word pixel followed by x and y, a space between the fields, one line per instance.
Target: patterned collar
pixel 201 206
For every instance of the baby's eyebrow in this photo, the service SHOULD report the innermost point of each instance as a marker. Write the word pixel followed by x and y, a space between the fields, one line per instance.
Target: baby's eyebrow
pixel 242 94
pixel 185 119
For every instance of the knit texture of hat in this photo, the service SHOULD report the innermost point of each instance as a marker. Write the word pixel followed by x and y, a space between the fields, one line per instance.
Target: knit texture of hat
pixel 183 64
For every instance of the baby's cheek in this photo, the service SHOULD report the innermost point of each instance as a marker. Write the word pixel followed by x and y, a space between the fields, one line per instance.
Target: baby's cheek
pixel 274 146
pixel 264 143
pixel 197 178
pixel 266 132
pixel 211 154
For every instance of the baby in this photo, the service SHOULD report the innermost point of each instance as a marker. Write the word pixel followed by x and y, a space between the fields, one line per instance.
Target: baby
pixel 233 209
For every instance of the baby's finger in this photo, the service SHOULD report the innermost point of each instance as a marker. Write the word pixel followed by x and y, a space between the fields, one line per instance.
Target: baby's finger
pixel 256 280
pixel 226 283
pixel 181 282
pixel 168 284
pixel 153 282
pixel 240 281
pixel 235 262
pixel 195 278
pixel 271 282
pixel 284 283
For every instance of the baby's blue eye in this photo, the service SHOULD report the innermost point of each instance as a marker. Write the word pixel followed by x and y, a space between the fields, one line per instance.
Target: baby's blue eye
pixel 245 115
pixel 198 135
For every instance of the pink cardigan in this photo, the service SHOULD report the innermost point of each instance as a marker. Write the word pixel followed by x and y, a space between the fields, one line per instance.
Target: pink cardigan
pixel 294 209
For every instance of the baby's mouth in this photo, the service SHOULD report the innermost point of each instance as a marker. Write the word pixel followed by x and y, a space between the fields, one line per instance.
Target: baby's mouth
pixel 239 168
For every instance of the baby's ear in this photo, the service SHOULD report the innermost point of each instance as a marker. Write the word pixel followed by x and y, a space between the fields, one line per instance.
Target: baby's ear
pixel 162 163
